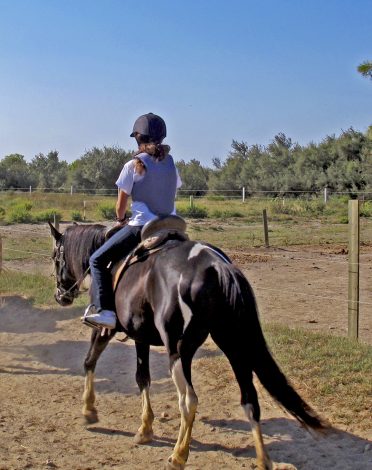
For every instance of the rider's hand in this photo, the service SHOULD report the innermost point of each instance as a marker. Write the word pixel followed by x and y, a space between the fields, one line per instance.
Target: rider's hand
pixel 122 221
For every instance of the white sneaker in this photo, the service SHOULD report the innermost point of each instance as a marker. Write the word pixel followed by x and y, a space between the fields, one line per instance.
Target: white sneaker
pixel 103 318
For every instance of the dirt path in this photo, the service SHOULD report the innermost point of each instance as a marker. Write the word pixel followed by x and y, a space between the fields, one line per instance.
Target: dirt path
pixel 41 355
pixel 307 287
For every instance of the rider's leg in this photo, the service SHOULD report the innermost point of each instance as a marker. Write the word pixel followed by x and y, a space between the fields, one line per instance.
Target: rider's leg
pixel 116 247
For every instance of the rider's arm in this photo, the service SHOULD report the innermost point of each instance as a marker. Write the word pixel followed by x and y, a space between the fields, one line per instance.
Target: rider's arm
pixel 121 205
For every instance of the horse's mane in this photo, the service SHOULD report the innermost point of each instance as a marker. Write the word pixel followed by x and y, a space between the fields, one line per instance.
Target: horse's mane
pixel 80 242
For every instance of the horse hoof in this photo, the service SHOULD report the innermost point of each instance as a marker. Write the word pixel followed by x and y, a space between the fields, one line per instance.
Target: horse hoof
pixel 172 464
pixel 284 466
pixel 141 438
pixel 91 417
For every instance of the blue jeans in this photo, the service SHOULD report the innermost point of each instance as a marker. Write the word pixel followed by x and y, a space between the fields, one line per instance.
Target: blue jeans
pixel 115 248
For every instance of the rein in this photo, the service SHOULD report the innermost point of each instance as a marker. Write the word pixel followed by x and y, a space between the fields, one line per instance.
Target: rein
pixel 68 292
pixel 79 281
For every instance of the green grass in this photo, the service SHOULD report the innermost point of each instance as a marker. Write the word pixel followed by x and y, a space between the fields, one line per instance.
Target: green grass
pixel 279 208
pixel 35 287
pixel 334 373
pixel 65 204
pixel 229 234
pixel 251 209
pixel 25 245
pixel 237 234
pixel 283 214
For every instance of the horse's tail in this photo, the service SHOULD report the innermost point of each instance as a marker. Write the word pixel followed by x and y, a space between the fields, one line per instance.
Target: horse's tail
pixel 274 380
pixel 247 333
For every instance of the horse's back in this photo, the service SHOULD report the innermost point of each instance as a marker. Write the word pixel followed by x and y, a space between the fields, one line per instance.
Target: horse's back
pixel 183 281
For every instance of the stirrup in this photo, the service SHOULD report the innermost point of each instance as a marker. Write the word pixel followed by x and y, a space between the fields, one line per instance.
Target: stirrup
pixel 86 321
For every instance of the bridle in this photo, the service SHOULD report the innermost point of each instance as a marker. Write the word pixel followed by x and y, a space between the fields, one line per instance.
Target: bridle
pixel 59 263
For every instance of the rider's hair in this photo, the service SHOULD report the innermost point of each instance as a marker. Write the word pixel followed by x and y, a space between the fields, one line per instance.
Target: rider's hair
pixel 155 149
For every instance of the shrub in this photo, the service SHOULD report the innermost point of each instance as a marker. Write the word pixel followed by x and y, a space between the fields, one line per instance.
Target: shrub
pixel 76 216
pixel 343 219
pixel 298 207
pixel 217 214
pixel 107 211
pixel 193 212
pixel 18 202
pixel 2 213
pixel 366 209
pixel 343 199
pixel 21 213
pixel 48 215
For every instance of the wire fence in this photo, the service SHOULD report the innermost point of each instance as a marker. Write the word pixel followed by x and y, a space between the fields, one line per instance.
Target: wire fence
pixel 241 193
pixel 331 280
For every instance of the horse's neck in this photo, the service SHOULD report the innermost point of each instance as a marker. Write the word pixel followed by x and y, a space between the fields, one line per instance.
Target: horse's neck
pixel 83 244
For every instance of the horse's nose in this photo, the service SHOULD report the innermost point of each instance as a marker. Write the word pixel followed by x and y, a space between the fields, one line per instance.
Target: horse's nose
pixel 57 296
pixel 62 299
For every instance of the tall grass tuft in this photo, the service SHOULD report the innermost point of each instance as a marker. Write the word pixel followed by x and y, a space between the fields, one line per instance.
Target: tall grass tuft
pixel 193 212
pixel 333 372
pixel 20 213
pixel 48 215
pixel 107 211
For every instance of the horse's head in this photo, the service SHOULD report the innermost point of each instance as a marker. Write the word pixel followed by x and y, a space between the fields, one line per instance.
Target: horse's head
pixel 67 286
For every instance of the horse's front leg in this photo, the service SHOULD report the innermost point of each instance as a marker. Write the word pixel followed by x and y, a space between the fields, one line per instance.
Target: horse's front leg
pixel 98 342
pixel 144 433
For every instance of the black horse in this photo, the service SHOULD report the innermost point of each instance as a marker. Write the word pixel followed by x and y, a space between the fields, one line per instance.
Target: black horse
pixel 176 297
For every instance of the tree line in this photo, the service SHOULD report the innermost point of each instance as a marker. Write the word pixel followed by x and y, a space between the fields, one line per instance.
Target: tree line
pixel 342 163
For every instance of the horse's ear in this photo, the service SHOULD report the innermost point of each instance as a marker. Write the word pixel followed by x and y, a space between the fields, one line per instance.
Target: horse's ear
pixel 55 234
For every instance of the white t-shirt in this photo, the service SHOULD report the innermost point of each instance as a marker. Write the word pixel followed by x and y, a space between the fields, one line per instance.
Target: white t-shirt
pixel 140 212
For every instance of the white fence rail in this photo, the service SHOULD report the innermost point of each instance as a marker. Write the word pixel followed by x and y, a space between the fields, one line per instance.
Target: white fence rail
pixel 242 194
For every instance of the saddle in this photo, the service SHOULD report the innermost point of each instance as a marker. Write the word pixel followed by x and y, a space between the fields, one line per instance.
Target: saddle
pixel 154 235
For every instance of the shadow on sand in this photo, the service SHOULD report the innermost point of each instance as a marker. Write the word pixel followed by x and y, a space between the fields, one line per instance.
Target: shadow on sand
pixel 36 352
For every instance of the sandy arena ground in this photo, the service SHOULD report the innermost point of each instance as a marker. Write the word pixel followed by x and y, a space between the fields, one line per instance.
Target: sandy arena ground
pixel 41 382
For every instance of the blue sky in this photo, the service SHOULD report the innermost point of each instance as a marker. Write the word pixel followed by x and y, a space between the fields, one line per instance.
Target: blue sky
pixel 75 74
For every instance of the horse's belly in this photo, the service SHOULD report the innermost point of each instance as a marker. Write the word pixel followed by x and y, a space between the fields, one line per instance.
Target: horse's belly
pixel 140 329
pixel 146 337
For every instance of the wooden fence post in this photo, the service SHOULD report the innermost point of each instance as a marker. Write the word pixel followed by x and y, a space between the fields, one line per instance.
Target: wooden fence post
pixel 243 194
pixel 266 228
pixel 325 195
pixel 353 291
pixel 1 254
pixel 84 210
pixel 56 225
pixel 191 202
pixel 56 222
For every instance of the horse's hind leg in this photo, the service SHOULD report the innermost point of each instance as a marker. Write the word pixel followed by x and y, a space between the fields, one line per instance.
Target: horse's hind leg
pixel 263 459
pixel 239 360
pixel 144 433
pixel 187 398
pixel 188 402
pixel 99 341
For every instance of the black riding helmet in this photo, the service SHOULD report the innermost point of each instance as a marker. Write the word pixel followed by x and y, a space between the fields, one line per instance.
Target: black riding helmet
pixel 152 126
